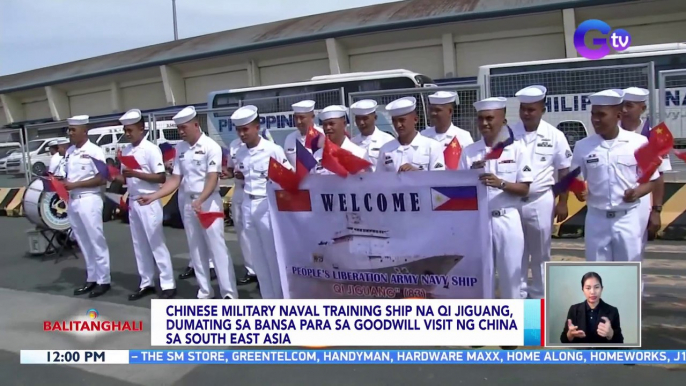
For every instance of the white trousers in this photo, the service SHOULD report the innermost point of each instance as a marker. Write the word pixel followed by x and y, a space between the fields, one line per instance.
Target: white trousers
pixel 190 263
pixel 508 246
pixel 180 201
pixel 537 225
pixel 243 243
pixel 149 244
pixel 258 228
pixel 85 216
pixel 645 207
pixel 613 236
pixel 206 244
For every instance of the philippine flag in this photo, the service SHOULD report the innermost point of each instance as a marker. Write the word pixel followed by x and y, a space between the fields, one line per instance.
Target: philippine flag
pixel 454 198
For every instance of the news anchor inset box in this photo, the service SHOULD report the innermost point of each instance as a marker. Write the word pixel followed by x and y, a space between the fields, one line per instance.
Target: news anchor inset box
pixel 610 297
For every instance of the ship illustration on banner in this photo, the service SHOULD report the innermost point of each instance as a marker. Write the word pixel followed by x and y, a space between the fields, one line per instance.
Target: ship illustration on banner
pixel 365 249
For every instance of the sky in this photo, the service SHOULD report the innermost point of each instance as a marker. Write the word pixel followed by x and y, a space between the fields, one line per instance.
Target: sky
pixel 41 33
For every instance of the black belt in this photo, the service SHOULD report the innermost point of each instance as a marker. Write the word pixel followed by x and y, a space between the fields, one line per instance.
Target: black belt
pixel 498 213
pixel 253 196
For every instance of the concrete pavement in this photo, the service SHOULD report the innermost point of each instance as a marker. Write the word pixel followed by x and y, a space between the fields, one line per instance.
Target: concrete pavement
pixel 33 289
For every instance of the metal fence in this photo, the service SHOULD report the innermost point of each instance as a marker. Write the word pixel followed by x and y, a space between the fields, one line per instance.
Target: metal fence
pixel 568 106
pixel 464 116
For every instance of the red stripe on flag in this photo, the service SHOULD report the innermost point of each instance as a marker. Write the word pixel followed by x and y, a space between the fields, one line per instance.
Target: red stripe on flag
pixel 542 322
pixel 460 204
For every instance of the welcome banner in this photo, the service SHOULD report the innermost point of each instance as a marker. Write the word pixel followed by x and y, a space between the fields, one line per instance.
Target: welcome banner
pixel 384 235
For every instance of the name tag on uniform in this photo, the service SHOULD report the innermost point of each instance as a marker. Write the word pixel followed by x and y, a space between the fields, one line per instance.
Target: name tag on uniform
pixel 290 149
pixel 592 160
pixel 200 152
pixel 544 144
pixel 507 161
pixel 85 156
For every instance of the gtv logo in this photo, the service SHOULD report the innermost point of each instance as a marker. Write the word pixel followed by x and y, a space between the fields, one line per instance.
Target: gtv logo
pixel 620 39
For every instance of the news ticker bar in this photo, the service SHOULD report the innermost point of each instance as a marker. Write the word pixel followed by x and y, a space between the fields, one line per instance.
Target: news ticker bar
pixel 239 357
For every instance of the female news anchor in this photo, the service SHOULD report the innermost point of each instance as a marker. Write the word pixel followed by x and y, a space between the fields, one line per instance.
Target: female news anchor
pixel 592 321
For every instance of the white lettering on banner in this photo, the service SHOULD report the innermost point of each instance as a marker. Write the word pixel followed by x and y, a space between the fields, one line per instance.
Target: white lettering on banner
pixel 343 322
pixel 269 121
pixel 384 235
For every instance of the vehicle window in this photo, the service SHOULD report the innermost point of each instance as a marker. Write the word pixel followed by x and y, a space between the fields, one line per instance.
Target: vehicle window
pixel 35 145
pixel 5 151
pixel 124 139
pixel 171 134
pixel 573 131
pixel 105 140
pixel 94 137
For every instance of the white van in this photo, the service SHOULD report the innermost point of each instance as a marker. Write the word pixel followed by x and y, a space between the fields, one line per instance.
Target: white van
pixel 166 132
pixel 106 137
pixel 7 148
pixel 39 153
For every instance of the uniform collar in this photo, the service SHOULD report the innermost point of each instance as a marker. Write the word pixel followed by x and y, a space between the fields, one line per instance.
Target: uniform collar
pixel 199 142
pixel 372 136
pixel 637 129
pixel 416 142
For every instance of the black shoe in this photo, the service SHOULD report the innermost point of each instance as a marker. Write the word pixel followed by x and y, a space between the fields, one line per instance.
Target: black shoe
pixel 213 274
pixel 99 290
pixel 247 279
pixel 188 273
pixel 141 293
pixel 508 347
pixel 88 287
pixel 228 297
pixel 168 294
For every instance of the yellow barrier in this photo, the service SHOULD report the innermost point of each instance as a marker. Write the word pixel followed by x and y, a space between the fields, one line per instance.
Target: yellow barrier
pixel 10 201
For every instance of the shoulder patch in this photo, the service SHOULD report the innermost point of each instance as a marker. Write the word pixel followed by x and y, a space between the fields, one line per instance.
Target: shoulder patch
pixel 526 169
pixel 438 165
pixel 284 160
pixel 568 153
pixel 212 163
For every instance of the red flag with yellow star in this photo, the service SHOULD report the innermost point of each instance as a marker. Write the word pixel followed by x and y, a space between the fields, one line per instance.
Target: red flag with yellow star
pixel 283 176
pixel 661 139
pixel 452 154
pixel 312 133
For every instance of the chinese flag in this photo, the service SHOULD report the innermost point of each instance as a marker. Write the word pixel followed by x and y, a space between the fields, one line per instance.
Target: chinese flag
pixel 330 160
pixel 352 163
pixel 680 155
pixel 208 218
pixel 452 154
pixel 648 160
pixel 661 139
pixel 283 176
pixel 310 136
pixel 296 201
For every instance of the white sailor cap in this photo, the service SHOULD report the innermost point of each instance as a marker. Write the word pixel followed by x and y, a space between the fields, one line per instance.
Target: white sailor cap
pixel 636 94
pixel 306 106
pixel 443 98
pixel 402 106
pixel 531 94
pixel 244 115
pixel 331 112
pixel 78 120
pixel 131 117
pixel 611 97
pixel 58 141
pixel 363 107
pixel 493 103
pixel 185 115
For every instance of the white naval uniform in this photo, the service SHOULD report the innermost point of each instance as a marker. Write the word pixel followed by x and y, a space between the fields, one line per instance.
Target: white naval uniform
pixel 613 229
pixel 145 221
pixel 254 164
pixel 193 163
pixel 372 144
pixel 346 145
pixel 646 205
pixel 423 153
pixel 85 211
pixel 463 136
pixel 236 206
pixel 55 162
pixel 289 143
pixel 506 226
pixel 550 152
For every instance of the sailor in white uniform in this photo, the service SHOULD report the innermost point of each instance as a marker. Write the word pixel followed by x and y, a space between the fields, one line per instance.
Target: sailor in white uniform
pixel 333 122
pixel 84 183
pixel 56 167
pixel 507 179
pixel 149 245
pixel 303 116
pixel 551 155
pixel 410 151
pixel 613 230
pixel 442 106
pixel 371 138
pixel 197 166
pixel 237 214
pixel 252 167
pixel 651 205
